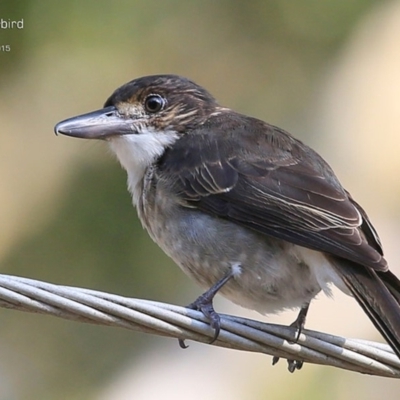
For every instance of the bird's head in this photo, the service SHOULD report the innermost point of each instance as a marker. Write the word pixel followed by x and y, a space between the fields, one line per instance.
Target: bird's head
pixel 156 103
pixel 144 117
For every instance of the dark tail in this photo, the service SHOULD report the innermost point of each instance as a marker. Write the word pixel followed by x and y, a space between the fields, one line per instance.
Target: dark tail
pixel 378 293
pixel 392 283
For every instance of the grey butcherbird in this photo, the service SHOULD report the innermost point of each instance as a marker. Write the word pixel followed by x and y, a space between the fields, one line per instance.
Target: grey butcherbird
pixel 240 205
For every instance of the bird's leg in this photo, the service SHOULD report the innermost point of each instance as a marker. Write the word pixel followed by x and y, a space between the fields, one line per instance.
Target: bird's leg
pixel 204 303
pixel 300 321
pixel 299 325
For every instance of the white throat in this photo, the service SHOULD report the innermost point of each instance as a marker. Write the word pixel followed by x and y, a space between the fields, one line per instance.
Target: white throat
pixel 136 152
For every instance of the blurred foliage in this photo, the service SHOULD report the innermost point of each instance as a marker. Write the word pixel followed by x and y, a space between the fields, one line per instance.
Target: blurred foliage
pixel 94 241
pixel 264 42
pixel 259 57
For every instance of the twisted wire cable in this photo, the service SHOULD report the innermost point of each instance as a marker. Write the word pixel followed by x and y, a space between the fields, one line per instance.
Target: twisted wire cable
pixel 157 318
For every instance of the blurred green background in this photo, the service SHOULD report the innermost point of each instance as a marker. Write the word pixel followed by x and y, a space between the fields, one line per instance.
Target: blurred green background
pixel 308 66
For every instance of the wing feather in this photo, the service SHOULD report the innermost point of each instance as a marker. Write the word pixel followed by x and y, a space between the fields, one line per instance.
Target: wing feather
pixel 270 182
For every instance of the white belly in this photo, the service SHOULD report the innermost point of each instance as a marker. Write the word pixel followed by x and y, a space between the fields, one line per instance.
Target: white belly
pixel 275 275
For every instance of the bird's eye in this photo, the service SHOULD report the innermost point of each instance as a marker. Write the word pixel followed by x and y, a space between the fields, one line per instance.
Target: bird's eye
pixel 154 103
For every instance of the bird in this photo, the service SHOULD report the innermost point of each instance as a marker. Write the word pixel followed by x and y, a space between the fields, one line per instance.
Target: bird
pixel 242 206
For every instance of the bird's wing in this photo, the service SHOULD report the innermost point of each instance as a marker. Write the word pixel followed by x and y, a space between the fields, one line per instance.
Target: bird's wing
pixel 269 182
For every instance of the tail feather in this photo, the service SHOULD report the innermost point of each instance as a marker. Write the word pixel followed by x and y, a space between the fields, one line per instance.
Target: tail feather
pixel 392 283
pixel 378 293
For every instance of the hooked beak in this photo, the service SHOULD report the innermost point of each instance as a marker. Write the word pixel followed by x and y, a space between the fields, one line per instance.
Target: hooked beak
pixel 100 124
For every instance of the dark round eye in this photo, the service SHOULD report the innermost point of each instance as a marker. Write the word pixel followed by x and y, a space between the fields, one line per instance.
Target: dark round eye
pixel 154 103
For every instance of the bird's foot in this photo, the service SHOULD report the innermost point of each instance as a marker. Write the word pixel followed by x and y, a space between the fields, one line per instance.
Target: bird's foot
pixel 299 323
pixel 292 364
pixel 204 303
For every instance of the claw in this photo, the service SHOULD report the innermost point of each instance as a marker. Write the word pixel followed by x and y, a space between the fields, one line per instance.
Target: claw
pixel 300 321
pixel 182 344
pixel 292 364
pixel 204 303
pixel 215 321
pixel 299 325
